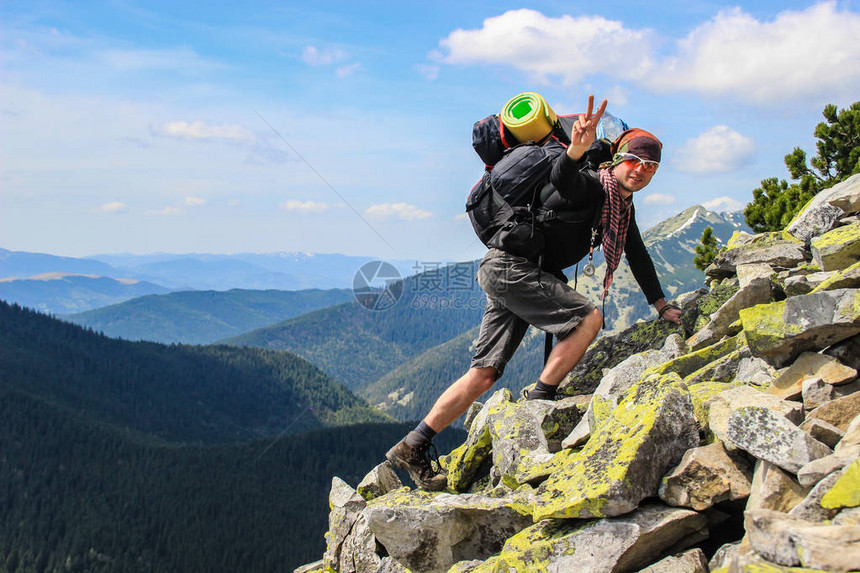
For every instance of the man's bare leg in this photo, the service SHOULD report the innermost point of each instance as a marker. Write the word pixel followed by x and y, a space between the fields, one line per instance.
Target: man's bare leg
pixel 568 352
pixel 457 398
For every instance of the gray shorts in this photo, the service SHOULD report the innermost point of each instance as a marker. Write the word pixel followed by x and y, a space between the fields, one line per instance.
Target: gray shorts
pixel 517 299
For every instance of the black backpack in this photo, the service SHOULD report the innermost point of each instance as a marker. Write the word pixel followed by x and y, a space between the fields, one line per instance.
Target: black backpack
pixel 504 207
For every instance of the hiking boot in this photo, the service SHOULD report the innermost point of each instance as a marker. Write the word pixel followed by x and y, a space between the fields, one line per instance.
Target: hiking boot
pixel 416 461
pixel 531 393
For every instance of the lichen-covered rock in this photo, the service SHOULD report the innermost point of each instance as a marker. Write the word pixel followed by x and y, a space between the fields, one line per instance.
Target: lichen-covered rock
pixel 817 470
pixel 842 278
pixel 756 291
pixel 721 407
pixel 692 561
pixel 558 420
pixel 518 438
pixel 755 371
pixel 837 249
pixel 625 459
pixel 701 394
pixel 706 475
pixel 606 545
pixel 789 541
pixel 465 462
pixel 810 365
pixel 782 330
pixel 846 491
pixel 389 565
pixel 610 350
pixel 823 211
pixel 691 362
pixel 806 283
pixel 724 369
pixel 465 566
pixel 379 481
pixel 773 488
pixel 769 436
pixel 430 532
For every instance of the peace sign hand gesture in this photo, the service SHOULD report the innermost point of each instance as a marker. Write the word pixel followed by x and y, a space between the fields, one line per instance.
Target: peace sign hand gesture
pixel 583 132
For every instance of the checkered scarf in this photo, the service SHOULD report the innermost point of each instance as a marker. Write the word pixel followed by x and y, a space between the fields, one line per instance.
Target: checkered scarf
pixel 614 220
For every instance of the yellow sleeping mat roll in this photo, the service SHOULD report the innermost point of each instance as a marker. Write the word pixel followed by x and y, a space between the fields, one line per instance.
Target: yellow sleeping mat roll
pixel 528 117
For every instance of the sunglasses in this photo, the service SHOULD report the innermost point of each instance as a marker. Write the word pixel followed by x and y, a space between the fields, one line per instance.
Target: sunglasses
pixel 647 164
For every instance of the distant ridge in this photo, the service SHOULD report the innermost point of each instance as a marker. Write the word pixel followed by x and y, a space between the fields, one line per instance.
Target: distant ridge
pixel 202 317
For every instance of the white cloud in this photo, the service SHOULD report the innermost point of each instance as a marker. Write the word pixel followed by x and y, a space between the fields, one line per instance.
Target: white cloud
pixel 344 71
pixel 170 59
pixel 544 47
pixel 402 211
pixel 724 203
pixel 461 217
pixel 304 206
pixel 798 54
pixel 658 199
pixel 114 207
pixel 717 150
pixel 169 210
pixel 313 56
pixel 198 131
pixel 429 71
pixel 194 201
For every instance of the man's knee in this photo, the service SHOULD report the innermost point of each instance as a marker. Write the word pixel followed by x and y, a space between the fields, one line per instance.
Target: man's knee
pixel 484 378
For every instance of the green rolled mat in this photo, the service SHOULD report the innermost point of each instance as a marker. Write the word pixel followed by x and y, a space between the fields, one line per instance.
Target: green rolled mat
pixel 528 117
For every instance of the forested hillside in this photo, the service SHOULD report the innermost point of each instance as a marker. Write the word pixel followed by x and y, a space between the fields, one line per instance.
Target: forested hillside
pixel 176 393
pixel 357 346
pixel 202 317
pixel 86 497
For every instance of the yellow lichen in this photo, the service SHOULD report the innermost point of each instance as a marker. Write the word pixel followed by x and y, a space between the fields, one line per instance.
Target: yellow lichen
pixel 846 491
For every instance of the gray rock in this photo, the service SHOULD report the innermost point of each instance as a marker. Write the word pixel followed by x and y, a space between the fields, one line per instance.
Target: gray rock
pixel 309 567
pixel 851 438
pixel 724 556
pixel 624 543
pixel 826 433
pixel 847 351
pixel 817 470
pixel 721 407
pixel 770 248
pixel 772 488
pixel 769 436
pixel 558 421
pixel 427 532
pixel 823 212
pixel 755 371
pixel 749 273
pixel 465 566
pixel 346 507
pixel 706 475
pixel 379 481
pixel 848 516
pixel 692 561
pixel 791 542
pixel 839 412
pixel 809 365
pixel 358 553
pixel 471 414
pixel 810 508
pixel 389 565
pixel 780 331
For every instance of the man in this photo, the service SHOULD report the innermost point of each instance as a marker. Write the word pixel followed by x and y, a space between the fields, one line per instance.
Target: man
pixel 522 293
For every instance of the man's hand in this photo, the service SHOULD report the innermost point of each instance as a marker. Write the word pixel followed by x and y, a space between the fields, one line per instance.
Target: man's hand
pixel 668 312
pixel 583 132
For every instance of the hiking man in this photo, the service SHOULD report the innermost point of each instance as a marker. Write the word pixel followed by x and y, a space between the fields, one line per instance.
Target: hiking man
pixel 520 292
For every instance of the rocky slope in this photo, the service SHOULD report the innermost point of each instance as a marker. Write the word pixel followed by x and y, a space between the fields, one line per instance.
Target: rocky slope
pixel 733 449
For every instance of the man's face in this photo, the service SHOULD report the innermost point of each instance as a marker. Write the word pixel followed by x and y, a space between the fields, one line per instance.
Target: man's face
pixel 632 176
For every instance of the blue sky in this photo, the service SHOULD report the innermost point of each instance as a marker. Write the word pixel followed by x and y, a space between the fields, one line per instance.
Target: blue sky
pixel 143 127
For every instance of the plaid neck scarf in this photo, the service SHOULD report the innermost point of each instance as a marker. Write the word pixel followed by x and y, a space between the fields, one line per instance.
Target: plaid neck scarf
pixel 614 220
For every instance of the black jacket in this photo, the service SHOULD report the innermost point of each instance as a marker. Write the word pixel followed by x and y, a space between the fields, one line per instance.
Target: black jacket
pixel 576 191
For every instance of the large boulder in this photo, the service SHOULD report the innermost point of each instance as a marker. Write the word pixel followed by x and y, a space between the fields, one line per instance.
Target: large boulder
pixel 618 544
pixel 823 211
pixel 348 541
pixel 430 532
pixel 773 488
pixel 518 439
pixel 756 291
pixel 782 330
pixel 623 462
pixel 779 250
pixel 724 404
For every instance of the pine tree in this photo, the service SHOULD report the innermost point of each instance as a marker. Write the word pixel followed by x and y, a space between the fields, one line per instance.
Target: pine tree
pixel 707 251
pixel 776 202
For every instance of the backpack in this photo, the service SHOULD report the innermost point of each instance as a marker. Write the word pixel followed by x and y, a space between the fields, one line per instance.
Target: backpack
pixel 504 207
